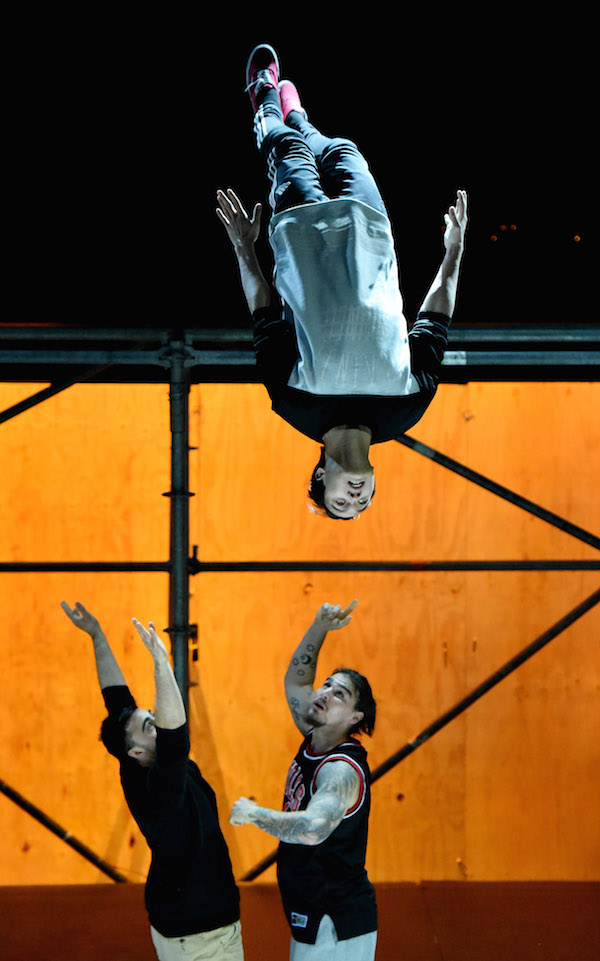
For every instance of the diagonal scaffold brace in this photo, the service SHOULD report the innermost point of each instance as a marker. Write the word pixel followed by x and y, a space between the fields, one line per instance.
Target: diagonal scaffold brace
pixel 60 832
pixel 504 492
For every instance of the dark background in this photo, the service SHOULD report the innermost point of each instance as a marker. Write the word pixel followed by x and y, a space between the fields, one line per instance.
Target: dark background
pixel 123 127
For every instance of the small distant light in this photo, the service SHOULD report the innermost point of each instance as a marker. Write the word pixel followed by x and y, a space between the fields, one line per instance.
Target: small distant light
pixel 493 238
pixel 576 238
pixel 513 226
pixel 503 227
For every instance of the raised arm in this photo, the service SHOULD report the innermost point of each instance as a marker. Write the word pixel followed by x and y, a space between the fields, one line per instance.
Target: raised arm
pixel 169 711
pixel 337 790
pixel 441 296
pixel 243 232
pixel 109 672
pixel 300 675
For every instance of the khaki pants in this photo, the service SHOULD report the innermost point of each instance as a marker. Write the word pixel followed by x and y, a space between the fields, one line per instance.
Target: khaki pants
pixel 222 944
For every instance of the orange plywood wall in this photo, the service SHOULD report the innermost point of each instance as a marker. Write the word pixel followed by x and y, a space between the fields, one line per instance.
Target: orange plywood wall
pixel 507 791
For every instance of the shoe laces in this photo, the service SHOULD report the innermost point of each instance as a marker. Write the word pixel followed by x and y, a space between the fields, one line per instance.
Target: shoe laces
pixel 263 78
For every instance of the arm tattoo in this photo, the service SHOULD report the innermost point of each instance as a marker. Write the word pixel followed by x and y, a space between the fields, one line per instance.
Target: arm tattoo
pixel 326 809
pixel 294 704
pixel 300 675
pixel 307 662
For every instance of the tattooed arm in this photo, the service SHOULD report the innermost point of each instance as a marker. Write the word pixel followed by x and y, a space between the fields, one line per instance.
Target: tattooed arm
pixel 336 792
pixel 300 675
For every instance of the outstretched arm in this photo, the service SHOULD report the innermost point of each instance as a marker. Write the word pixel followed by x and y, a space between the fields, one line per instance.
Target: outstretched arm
pixel 337 791
pixel 441 296
pixel 169 711
pixel 243 232
pixel 109 672
pixel 300 675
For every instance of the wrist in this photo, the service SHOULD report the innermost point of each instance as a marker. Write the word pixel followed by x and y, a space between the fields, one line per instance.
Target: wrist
pixel 161 659
pixel 244 250
pixel 455 249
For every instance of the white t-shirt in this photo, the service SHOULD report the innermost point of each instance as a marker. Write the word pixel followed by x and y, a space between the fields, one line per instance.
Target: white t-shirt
pixel 335 267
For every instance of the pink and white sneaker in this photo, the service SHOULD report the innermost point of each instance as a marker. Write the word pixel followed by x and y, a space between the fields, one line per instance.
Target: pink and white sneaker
pixel 262 70
pixel 290 99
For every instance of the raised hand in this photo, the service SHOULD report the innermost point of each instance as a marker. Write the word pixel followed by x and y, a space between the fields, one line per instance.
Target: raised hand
pixel 456 221
pixel 331 616
pixel 109 672
pixel 81 618
pixel 150 638
pixel 242 230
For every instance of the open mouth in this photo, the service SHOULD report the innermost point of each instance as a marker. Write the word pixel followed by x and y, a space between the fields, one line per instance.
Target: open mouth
pixel 356 484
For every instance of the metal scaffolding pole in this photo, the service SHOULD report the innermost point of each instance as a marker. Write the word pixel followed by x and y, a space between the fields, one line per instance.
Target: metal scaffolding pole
pixel 179 495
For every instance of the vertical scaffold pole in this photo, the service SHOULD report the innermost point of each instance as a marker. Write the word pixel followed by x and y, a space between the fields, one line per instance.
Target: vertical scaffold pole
pixel 179 494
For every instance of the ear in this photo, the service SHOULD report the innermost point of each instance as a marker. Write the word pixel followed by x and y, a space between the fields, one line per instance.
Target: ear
pixel 136 752
pixel 320 473
pixel 358 716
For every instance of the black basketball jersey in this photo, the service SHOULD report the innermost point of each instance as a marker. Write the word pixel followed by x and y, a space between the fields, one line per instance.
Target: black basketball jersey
pixel 328 878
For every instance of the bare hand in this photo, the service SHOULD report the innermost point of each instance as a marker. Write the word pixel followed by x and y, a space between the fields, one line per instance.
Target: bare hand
pixel 332 617
pixel 456 221
pixel 241 812
pixel 242 230
pixel 81 618
pixel 150 638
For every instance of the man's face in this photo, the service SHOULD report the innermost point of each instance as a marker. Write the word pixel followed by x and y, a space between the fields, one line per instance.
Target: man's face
pixel 334 704
pixel 141 729
pixel 347 493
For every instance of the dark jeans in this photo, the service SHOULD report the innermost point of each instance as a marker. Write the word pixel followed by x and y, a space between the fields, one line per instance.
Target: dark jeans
pixel 306 167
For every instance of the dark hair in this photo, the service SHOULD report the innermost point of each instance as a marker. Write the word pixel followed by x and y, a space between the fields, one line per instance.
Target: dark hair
pixel 365 701
pixel 113 733
pixel 316 487
pixel 316 493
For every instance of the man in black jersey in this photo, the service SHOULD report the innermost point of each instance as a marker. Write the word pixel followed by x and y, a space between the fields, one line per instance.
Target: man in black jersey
pixel 191 896
pixel 327 897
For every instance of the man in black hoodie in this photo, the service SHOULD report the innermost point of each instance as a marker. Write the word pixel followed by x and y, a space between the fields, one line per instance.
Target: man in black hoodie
pixel 191 896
